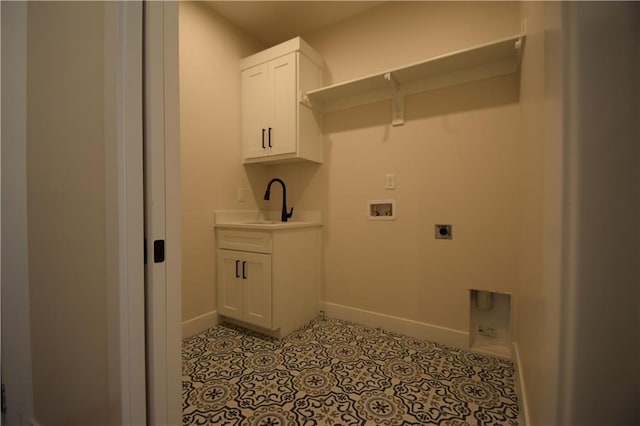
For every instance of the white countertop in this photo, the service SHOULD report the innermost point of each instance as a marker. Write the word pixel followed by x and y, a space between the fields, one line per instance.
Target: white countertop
pixel 254 219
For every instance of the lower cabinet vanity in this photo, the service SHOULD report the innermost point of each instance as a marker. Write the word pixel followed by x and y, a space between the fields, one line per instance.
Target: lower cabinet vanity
pixel 268 275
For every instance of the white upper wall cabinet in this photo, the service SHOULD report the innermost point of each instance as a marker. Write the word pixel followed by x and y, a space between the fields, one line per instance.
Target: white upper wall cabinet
pixel 276 126
pixel 497 58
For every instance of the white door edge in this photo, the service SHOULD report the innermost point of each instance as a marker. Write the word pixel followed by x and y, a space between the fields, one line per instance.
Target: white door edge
pixel 123 118
pixel 162 216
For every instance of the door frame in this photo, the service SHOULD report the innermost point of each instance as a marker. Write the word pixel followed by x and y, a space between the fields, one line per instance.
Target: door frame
pixel 125 24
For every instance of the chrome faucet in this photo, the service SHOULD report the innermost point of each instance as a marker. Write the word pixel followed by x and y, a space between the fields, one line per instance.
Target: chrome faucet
pixel 267 193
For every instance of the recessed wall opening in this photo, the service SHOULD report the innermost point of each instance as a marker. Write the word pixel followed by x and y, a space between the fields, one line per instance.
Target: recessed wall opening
pixel 490 322
pixel 381 209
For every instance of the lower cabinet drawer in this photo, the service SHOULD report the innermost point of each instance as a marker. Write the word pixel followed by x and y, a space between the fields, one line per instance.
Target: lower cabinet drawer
pixel 259 242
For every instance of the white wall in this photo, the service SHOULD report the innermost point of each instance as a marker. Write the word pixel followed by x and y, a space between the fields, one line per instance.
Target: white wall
pixel 16 342
pixel 541 192
pixel 210 53
pixel 578 324
pixel 57 112
pixel 66 212
pixel 600 346
pixel 455 161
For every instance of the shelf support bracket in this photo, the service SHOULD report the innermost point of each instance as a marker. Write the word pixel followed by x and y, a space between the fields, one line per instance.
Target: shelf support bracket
pixel 397 101
pixel 304 99
pixel 392 81
pixel 397 110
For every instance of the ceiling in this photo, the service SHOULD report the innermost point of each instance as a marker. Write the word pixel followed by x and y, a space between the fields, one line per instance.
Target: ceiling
pixel 273 22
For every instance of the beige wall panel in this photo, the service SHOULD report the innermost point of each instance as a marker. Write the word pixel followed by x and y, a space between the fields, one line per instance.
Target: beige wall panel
pixel 66 212
pixel 535 323
pixel 455 161
pixel 398 33
pixel 210 51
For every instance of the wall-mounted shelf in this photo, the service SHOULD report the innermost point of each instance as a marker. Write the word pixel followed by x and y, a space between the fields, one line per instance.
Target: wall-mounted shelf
pixel 497 58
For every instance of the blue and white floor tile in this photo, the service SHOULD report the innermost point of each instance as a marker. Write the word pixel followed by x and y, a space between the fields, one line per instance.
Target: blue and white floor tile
pixel 333 372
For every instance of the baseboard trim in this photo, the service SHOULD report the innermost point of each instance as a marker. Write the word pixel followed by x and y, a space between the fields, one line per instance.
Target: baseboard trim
pixel 198 324
pixel 417 329
pixel 520 389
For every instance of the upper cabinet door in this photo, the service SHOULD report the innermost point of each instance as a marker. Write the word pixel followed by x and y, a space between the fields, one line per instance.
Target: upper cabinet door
pixel 255 102
pixel 276 126
pixel 282 114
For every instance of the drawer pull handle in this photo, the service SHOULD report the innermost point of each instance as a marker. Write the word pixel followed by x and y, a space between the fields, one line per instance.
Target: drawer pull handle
pixel 244 272
pixel 270 137
pixel 263 139
pixel 237 273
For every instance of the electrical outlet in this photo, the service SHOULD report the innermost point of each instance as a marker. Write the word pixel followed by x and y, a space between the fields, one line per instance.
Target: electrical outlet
pixel 390 182
pixel 487 331
pixel 240 195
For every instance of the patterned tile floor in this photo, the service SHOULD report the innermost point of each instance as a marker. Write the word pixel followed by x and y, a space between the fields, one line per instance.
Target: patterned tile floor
pixel 332 372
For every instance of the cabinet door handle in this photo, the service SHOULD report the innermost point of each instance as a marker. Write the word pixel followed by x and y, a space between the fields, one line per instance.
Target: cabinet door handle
pixel 237 273
pixel 262 138
pixel 269 137
pixel 244 272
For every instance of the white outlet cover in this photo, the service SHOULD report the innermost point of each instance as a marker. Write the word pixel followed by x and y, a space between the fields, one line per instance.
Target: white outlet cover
pixel 390 181
pixel 240 195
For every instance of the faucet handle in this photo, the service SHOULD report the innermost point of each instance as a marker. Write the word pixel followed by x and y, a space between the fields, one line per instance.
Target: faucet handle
pixel 290 213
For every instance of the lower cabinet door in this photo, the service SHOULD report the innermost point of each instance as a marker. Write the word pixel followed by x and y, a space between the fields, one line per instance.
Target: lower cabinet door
pixel 230 284
pixel 244 286
pixel 256 282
